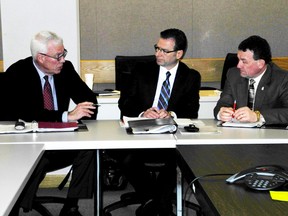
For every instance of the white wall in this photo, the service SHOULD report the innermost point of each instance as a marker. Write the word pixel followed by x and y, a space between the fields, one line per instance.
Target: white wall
pixel 22 19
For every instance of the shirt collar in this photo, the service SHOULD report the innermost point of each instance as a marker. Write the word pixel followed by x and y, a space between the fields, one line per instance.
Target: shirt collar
pixel 172 70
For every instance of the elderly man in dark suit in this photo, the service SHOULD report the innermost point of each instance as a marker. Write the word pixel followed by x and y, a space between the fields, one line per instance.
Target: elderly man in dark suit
pixel 40 88
pixel 268 83
pixel 145 99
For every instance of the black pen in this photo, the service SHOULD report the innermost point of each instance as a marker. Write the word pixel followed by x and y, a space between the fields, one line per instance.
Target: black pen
pixel 96 105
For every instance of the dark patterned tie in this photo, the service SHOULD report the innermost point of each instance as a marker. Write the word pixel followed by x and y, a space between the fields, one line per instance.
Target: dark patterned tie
pixel 165 93
pixel 47 95
pixel 251 94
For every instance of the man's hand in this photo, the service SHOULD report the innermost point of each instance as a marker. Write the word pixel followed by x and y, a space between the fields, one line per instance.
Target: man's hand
pixel 226 114
pixel 154 112
pixel 84 109
pixel 245 114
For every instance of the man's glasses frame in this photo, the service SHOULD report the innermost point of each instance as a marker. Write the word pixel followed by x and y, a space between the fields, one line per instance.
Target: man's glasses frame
pixel 163 50
pixel 58 57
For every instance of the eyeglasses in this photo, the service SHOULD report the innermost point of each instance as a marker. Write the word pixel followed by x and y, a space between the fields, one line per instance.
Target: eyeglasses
pixel 58 57
pixel 163 50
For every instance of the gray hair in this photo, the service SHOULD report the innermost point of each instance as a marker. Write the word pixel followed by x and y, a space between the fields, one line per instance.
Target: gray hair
pixel 41 40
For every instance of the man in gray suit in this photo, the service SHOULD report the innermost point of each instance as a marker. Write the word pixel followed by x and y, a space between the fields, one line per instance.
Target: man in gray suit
pixel 270 101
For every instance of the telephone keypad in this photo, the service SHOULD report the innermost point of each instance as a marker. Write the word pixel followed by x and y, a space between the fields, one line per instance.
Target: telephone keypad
pixel 258 182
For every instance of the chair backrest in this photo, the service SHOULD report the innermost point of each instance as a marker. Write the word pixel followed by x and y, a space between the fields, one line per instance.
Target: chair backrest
pixel 231 60
pixel 3 95
pixel 124 66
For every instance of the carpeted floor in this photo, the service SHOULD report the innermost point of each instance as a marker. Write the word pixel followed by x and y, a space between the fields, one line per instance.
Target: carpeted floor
pixel 86 207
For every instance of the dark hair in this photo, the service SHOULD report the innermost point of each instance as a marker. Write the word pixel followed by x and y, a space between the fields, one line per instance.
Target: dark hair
pixel 179 37
pixel 259 46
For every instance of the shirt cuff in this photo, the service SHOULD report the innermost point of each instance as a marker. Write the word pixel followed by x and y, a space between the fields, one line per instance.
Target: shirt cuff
pixel 65 116
pixel 173 114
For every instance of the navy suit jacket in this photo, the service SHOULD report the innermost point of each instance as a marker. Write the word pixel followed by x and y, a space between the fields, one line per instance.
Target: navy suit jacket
pixel 271 95
pixel 26 97
pixel 184 99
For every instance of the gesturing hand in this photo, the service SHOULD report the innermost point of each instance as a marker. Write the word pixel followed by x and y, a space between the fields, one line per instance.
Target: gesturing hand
pixel 84 109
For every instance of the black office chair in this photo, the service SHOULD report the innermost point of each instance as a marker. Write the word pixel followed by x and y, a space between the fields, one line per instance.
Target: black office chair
pixel 124 66
pixel 131 198
pixel 39 201
pixel 231 60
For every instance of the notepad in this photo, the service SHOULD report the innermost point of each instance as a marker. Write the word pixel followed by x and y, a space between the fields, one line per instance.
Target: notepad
pixel 258 124
pixel 107 93
pixel 279 195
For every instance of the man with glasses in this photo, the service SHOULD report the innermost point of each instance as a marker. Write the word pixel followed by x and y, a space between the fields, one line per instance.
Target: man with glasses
pixel 40 88
pixel 159 89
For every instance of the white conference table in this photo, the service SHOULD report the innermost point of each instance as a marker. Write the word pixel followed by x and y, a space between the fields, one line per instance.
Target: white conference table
pixel 101 134
pixel 105 134
pixel 17 163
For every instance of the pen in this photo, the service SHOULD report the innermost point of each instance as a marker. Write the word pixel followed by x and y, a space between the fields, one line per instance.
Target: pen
pixel 234 108
pixel 96 105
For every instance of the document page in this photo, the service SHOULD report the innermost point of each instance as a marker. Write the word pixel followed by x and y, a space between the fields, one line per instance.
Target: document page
pixel 243 124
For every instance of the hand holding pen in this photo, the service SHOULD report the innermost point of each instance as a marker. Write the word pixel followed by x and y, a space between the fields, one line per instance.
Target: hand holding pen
pixel 227 113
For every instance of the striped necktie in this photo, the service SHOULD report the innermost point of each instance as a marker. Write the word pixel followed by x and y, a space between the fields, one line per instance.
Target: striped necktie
pixel 165 93
pixel 47 95
pixel 251 94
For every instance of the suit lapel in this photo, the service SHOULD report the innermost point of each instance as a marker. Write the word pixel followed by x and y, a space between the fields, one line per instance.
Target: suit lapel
pixel 153 75
pixel 262 86
pixel 242 93
pixel 59 92
pixel 180 78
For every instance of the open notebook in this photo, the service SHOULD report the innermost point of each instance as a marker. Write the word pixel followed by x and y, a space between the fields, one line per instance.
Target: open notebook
pixel 26 127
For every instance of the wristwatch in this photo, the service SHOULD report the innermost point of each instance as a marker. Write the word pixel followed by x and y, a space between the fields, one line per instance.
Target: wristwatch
pixel 258 114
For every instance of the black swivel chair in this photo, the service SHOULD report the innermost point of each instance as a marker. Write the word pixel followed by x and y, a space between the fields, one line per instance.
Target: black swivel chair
pixel 231 60
pixel 124 66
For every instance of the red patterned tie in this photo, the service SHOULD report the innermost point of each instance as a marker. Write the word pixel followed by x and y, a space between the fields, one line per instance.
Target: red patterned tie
pixel 47 95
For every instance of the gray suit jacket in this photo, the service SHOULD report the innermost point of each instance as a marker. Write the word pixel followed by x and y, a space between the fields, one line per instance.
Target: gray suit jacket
pixel 271 95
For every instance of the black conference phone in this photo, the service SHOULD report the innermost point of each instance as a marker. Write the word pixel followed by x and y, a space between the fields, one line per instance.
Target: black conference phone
pixel 264 177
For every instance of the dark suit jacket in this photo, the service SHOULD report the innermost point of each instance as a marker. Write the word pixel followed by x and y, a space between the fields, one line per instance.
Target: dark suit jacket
pixel 184 99
pixel 25 92
pixel 271 96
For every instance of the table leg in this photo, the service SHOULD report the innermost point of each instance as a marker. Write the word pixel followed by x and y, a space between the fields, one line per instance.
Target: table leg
pixel 98 194
pixel 179 192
